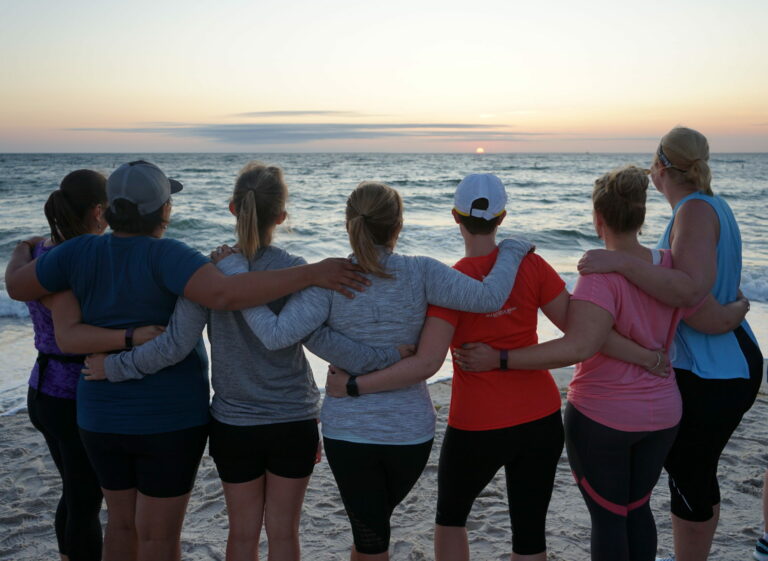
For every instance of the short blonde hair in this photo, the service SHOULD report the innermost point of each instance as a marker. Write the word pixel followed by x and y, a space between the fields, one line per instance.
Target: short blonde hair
pixel 374 217
pixel 688 152
pixel 259 199
pixel 619 196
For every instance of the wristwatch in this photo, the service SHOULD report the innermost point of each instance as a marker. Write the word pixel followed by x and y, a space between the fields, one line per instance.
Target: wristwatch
pixel 129 338
pixel 503 359
pixel 352 389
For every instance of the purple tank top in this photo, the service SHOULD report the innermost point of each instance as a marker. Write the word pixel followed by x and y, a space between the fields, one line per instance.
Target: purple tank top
pixel 60 379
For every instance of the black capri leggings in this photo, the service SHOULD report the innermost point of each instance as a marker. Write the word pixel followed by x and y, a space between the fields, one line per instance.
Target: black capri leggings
pixel 78 529
pixel 616 472
pixel 712 409
pixel 529 454
pixel 372 480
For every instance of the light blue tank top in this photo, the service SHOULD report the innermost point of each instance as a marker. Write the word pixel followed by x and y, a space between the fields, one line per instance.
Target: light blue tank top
pixel 714 357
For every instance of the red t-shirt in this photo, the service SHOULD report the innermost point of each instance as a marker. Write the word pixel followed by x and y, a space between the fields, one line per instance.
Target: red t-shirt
pixel 503 398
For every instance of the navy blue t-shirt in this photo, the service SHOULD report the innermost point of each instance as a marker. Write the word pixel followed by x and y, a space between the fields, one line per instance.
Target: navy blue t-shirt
pixel 130 282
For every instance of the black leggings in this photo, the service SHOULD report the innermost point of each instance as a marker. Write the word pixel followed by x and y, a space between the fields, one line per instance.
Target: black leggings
pixel 372 480
pixel 529 454
pixel 712 409
pixel 78 529
pixel 616 472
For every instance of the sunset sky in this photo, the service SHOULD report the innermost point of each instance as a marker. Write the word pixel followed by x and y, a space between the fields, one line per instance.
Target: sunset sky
pixel 400 76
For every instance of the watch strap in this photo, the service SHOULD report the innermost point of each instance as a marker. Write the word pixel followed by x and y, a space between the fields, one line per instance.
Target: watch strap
pixel 129 337
pixel 352 389
pixel 503 359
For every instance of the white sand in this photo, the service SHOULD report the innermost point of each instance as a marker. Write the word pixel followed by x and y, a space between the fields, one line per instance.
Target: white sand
pixel 29 489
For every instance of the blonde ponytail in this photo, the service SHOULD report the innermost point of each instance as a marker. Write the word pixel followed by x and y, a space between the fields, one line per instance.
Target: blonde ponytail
pixel 259 200
pixel 700 175
pixel 374 218
pixel 247 227
pixel 688 152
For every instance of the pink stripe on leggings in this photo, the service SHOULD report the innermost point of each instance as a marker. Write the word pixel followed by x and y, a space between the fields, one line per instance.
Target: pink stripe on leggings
pixel 615 508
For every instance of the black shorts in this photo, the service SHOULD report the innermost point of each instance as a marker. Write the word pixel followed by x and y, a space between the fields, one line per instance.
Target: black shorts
pixel 245 453
pixel 158 465
pixel 712 409
pixel 529 454
pixel 373 479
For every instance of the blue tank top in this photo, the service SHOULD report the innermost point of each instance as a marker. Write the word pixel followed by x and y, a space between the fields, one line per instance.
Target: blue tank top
pixel 714 357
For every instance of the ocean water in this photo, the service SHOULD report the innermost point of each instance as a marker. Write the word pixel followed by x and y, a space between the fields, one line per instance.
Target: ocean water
pixel 549 203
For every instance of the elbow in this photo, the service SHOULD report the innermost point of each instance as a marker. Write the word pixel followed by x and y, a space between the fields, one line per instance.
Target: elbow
pixel 220 299
pixel 688 299
pixel 272 344
pixel 432 366
pixel 581 350
pixel 15 290
pixel 491 304
pixel 67 345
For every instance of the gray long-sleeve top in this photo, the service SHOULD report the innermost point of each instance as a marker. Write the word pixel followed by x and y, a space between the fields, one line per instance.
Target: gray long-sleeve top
pixel 252 384
pixel 389 312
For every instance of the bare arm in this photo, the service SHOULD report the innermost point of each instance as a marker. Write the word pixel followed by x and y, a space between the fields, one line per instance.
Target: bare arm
pixel 479 357
pixel 20 277
pixel 75 337
pixel 694 242
pixel 433 344
pixel 713 318
pixel 215 290
pixel 587 328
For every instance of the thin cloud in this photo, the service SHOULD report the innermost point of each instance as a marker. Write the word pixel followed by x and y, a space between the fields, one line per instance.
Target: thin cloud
pixel 298 113
pixel 299 133
pixel 609 138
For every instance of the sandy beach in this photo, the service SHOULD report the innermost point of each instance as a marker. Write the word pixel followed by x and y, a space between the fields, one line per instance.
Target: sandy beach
pixel 29 489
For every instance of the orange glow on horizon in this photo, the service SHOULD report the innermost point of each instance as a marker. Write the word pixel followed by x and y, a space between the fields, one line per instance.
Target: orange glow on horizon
pixel 480 150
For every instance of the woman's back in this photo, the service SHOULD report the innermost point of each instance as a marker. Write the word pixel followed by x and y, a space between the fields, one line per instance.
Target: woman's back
pixel 615 393
pixel 714 356
pixel 390 312
pixel 253 385
pixel 127 282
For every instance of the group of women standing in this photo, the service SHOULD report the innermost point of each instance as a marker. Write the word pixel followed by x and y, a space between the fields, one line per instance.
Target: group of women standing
pixel 144 430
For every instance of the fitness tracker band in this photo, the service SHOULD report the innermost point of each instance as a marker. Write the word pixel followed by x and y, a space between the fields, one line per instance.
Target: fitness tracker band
pixel 352 389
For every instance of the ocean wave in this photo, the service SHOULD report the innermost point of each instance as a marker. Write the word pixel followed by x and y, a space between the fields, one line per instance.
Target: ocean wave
pixel 11 308
pixel 754 284
pixel 727 161
pixel 452 183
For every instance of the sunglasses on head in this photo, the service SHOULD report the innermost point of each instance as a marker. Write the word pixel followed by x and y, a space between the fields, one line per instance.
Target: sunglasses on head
pixel 665 161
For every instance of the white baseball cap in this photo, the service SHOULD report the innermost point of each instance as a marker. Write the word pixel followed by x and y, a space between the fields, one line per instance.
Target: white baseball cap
pixel 480 186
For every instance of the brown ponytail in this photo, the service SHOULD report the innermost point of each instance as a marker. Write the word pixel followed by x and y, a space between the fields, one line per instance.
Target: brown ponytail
pixel 67 207
pixel 259 199
pixel 374 217
pixel 619 196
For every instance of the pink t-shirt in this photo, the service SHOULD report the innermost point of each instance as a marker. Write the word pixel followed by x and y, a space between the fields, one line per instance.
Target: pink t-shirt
pixel 617 394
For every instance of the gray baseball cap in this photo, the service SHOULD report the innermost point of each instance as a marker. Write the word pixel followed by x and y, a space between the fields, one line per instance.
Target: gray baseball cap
pixel 143 184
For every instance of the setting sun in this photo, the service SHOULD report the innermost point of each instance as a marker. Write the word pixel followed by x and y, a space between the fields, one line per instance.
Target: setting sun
pixel 480 150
